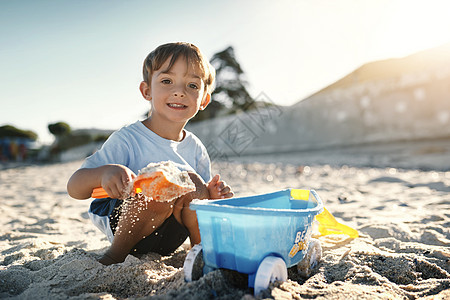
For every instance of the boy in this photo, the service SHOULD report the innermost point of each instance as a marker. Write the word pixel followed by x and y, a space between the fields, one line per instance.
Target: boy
pixel 178 82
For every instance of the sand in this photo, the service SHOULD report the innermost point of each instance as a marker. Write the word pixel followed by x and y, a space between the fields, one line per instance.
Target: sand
pixel 48 246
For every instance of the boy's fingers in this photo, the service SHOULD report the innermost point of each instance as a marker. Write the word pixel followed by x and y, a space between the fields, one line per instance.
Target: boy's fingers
pixel 220 185
pixel 126 179
pixel 130 177
pixel 214 180
pixel 229 195
pixel 119 188
pixel 126 184
pixel 109 191
pixel 225 190
pixel 116 190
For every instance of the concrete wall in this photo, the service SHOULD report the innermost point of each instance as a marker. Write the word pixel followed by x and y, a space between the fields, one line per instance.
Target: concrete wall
pixel 80 152
pixel 407 107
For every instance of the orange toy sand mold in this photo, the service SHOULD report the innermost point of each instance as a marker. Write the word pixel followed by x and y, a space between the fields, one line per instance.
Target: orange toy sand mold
pixel 157 186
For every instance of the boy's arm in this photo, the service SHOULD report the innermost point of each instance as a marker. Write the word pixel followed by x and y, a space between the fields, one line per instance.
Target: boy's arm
pixel 113 178
pixel 201 190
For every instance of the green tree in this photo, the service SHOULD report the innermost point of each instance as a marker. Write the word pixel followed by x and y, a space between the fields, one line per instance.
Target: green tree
pixel 230 94
pixel 66 139
pixel 11 131
pixel 230 81
pixel 59 129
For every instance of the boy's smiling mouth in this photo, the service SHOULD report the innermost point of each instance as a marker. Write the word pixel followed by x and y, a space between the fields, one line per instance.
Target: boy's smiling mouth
pixel 176 105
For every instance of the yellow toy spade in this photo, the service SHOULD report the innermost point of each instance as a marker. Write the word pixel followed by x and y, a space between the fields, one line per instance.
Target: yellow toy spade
pixel 327 222
pixel 329 225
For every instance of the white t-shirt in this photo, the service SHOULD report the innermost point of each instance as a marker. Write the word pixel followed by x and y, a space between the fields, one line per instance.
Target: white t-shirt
pixel 135 146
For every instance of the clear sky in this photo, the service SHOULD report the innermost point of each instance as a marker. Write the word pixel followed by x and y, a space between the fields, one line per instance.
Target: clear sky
pixel 80 61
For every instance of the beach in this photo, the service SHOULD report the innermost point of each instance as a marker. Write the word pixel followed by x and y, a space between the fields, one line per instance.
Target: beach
pixel 399 205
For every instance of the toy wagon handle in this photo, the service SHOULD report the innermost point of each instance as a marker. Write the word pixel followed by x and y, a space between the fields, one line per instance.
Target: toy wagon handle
pixel 98 193
pixel 300 194
pixel 319 201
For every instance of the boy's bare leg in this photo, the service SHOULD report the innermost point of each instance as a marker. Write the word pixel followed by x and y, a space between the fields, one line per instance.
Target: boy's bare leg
pixel 139 218
pixel 187 217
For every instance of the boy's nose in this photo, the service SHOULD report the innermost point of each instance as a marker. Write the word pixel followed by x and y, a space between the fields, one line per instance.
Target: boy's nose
pixel 178 91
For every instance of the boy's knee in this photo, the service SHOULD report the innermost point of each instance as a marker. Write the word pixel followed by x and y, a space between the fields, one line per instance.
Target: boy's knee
pixel 161 208
pixel 142 205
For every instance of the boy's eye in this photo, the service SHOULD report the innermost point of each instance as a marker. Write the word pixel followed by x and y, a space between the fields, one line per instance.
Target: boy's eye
pixel 166 81
pixel 193 86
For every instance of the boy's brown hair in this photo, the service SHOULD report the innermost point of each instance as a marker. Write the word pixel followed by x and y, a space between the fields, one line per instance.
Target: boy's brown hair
pixel 190 52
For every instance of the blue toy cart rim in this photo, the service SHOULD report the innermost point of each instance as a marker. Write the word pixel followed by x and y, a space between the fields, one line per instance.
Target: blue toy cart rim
pixel 217 205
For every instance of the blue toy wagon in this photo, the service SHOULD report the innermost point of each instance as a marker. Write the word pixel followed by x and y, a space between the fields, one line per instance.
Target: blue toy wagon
pixel 258 235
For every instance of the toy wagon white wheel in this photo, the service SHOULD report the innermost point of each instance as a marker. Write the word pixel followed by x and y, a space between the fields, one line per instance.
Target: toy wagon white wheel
pixel 311 259
pixel 193 264
pixel 271 269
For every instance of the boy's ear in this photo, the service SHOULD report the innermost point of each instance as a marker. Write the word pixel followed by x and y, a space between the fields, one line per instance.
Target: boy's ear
pixel 205 101
pixel 145 90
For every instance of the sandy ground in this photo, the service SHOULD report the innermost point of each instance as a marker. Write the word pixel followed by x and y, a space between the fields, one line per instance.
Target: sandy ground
pixel 48 247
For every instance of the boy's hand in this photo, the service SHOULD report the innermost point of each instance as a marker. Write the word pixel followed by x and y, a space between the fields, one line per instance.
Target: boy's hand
pixel 116 181
pixel 218 189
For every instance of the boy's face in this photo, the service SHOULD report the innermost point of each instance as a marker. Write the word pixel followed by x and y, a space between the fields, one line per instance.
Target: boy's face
pixel 176 94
